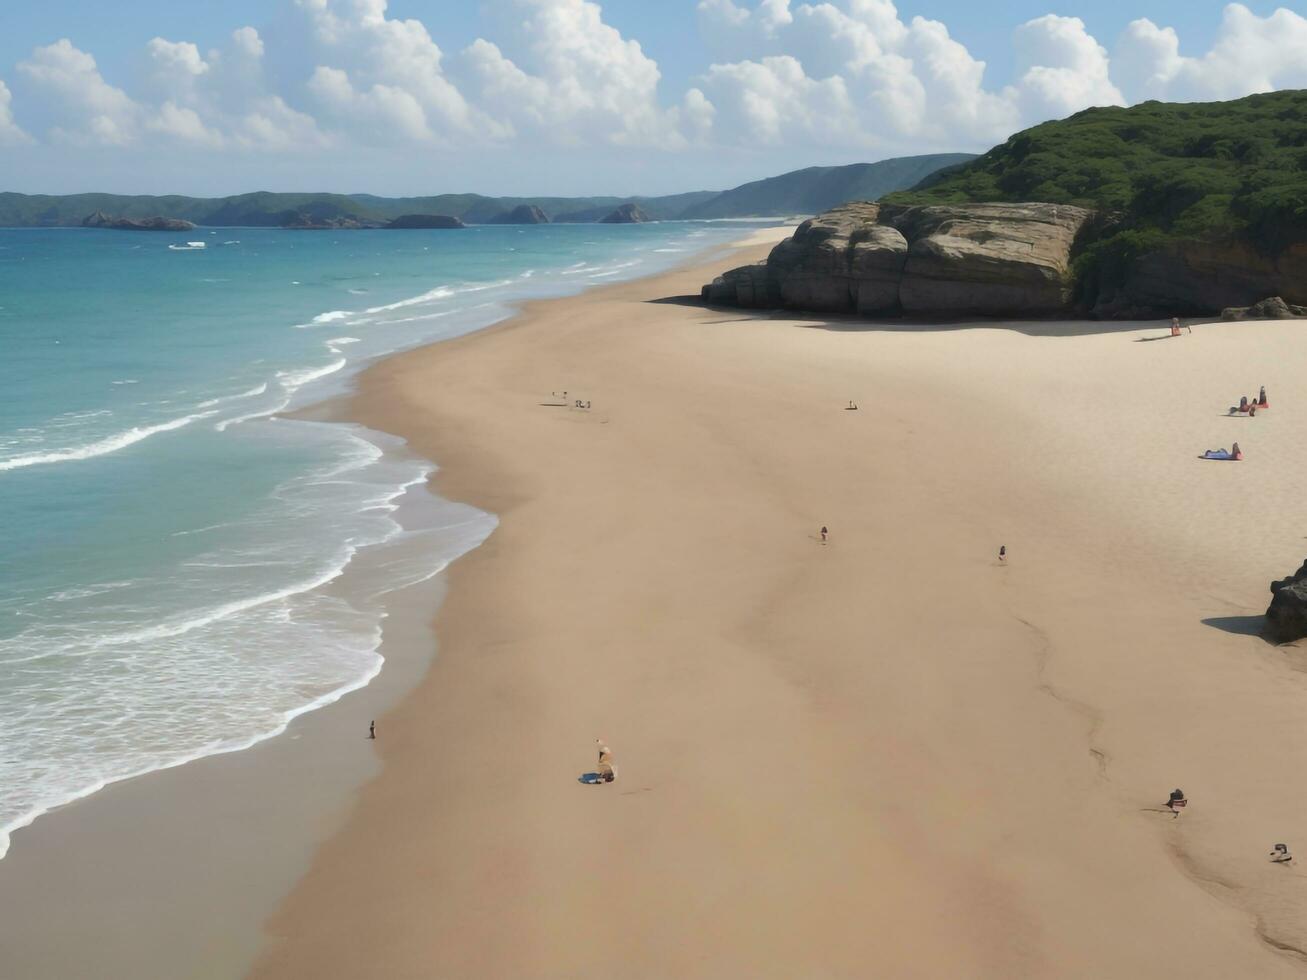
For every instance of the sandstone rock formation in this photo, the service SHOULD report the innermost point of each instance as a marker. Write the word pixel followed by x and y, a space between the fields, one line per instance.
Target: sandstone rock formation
pixel 626 214
pixel 405 221
pixel 1286 618
pixel 523 214
pixel 1205 277
pixel 99 219
pixel 940 260
pixel 1274 308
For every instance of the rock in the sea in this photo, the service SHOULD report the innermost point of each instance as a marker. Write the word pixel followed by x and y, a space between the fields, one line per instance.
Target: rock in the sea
pixel 1286 617
pixel 627 214
pixel 523 214
pixel 1273 308
pixel 405 221
pixel 946 260
pixel 99 219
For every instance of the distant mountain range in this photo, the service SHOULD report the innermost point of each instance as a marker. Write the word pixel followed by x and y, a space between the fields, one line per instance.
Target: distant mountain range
pixel 801 192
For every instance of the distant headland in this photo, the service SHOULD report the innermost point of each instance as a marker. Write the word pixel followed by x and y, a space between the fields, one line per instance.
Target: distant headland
pixel 800 192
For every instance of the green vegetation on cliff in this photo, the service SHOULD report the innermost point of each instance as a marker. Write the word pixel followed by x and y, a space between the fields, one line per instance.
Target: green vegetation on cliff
pixel 1160 174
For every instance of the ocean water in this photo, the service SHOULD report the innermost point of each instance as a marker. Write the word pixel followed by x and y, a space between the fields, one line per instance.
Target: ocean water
pixel 173 549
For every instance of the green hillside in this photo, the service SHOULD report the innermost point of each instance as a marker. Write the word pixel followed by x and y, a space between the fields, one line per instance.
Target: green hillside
pixel 817 189
pixel 1162 173
pixel 801 192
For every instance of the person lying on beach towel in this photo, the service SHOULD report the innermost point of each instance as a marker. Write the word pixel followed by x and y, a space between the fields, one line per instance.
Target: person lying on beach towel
pixel 1232 453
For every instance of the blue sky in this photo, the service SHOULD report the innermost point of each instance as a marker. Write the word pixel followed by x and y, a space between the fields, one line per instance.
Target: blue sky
pixel 550 96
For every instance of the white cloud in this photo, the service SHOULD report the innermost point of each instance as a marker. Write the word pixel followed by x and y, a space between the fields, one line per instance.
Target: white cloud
pixel 1252 54
pixel 372 63
pixel 908 84
pixel 1063 69
pixel 772 101
pixel 847 74
pixel 82 105
pixel 571 77
pixel 184 124
pixel 10 133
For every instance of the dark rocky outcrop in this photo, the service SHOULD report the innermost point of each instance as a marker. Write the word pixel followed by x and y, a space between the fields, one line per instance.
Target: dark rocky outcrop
pixel 523 214
pixel 1203 278
pixel 1286 618
pixel 426 221
pixel 1274 308
pixel 941 260
pixel 101 220
pixel 626 214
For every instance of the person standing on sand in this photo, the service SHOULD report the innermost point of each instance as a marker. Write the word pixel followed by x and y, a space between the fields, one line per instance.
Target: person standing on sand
pixel 1002 552
pixel 823 534
pixel 372 729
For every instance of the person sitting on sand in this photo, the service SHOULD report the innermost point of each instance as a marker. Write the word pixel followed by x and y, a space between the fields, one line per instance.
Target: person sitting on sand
pixel 1243 403
pixel 1175 326
pixel 1177 801
pixel 853 406
pixel 1281 855
pixel 605 767
pixel 1261 399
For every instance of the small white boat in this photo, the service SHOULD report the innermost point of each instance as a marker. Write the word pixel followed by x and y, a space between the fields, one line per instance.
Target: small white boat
pixel 188 247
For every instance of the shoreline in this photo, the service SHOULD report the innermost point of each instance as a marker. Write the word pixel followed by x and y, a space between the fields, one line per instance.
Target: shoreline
pixel 631 601
pixel 112 839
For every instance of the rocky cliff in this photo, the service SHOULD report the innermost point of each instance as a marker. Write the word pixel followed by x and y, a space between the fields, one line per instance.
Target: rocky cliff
pixel 523 214
pixel 101 220
pixel 936 260
pixel 1286 618
pixel 627 214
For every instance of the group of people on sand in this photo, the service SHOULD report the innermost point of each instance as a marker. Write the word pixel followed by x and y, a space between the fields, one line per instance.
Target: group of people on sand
pixel 1250 406
pixel 1279 853
pixel 1247 406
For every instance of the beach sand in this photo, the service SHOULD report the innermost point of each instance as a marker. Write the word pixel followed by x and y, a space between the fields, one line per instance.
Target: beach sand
pixel 889 755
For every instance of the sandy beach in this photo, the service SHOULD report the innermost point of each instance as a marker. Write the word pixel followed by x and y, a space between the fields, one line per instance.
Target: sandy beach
pixel 889 755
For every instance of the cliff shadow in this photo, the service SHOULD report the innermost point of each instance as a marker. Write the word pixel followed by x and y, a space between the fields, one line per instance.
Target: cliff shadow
pixel 843 322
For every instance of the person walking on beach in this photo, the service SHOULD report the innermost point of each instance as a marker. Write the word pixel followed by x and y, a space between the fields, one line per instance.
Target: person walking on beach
pixel 372 729
pixel 824 532
pixel 1002 552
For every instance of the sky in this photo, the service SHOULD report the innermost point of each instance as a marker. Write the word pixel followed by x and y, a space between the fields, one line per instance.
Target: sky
pixel 580 97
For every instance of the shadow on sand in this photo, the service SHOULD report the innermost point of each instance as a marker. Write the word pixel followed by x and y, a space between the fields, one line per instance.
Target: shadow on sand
pixel 1239 625
pixel 1051 327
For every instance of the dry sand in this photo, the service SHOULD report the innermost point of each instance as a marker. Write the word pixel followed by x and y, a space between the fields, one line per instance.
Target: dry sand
pixel 885 756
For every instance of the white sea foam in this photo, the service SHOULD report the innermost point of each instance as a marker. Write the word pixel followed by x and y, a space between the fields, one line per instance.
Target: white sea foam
pixel 292 380
pixel 109 444
pixel 440 292
pixel 253 392
pixel 332 316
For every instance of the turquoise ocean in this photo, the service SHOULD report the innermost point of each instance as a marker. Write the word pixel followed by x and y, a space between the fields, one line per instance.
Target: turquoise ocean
pixel 170 543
